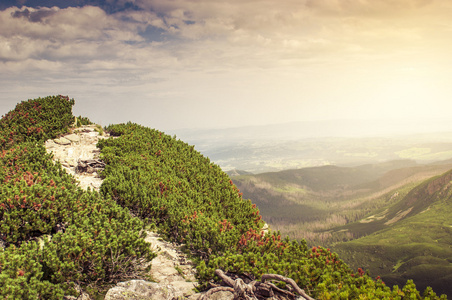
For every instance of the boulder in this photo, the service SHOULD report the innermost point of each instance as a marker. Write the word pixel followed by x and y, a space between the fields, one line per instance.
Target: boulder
pixel 141 290
pixel 73 138
pixel 62 141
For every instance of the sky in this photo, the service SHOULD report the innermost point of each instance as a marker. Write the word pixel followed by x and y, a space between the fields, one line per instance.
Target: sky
pixel 172 64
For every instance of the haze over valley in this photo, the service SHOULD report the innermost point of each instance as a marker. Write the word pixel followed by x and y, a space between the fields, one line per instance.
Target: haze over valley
pixel 277 147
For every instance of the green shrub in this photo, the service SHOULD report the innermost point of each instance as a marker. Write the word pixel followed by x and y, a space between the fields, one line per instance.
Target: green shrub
pixel 36 120
pixel 83 121
pixel 170 184
pixel 21 274
pixel 103 244
pixel 35 194
pixel 86 239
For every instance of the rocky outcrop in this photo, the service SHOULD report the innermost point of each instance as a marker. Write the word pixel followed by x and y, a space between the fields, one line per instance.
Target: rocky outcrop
pixel 74 150
pixel 141 290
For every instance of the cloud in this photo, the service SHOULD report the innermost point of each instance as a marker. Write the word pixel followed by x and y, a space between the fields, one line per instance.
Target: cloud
pixel 53 33
pixel 33 16
pixel 231 30
pixel 210 51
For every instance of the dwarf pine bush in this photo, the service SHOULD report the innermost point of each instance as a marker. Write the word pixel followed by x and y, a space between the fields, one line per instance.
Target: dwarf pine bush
pixel 84 238
pixel 22 274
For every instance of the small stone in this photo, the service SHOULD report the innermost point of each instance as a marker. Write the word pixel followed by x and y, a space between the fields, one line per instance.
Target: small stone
pixel 184 287
pixel 73 138
pixel 223 295
pixel 195 296
pixel 62 141
pixel 71 162
pixel 265 228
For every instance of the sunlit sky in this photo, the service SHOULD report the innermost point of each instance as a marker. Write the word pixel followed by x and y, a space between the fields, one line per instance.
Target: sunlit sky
pixel 172 64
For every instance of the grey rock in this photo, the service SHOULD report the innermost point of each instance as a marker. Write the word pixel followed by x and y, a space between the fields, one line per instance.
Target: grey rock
pixel 141 290
pixel 62 141
pixel 223 295
pixel 73 138
pixel 195 296
pixel 184 288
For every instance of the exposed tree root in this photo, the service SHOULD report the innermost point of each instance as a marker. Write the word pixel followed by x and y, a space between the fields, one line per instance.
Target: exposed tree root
pixel 257 290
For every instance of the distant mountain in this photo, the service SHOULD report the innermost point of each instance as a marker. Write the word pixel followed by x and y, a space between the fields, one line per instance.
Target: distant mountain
pixel 292 197
pixel 235 172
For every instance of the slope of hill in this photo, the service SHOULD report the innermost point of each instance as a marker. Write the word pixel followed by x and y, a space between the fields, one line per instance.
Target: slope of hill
pixel 416 239
pixel 307 203
pixel 396 217
pixel 57 236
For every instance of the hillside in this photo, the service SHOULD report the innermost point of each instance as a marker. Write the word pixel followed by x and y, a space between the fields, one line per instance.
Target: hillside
pixel 416 241
pixel 307 203
pixel 396 219
pixel 58 238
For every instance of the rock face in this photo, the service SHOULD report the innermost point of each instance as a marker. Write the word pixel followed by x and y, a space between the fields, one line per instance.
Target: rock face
pixel 171 269
pixel 78 148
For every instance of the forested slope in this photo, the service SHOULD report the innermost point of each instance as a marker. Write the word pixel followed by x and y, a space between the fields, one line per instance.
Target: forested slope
pixel 56 235
pixel 414 240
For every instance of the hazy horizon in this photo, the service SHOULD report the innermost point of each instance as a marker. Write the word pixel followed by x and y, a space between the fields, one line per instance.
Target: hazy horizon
pixel 330 128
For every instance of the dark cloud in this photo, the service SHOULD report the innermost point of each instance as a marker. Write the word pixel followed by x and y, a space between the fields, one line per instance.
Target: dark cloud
pixel 42 3
pixel 33 16
pixel 110 6
pixel 152 33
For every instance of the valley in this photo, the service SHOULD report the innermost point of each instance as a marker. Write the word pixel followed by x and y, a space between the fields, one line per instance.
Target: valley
pixel 391 218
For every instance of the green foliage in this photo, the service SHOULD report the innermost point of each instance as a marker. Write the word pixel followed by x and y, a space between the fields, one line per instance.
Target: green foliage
pixel 85 239
pixel 36 120
pixel 170 184
pixel 99 129
pixel 22 275
pixel 103 244
pixel 83 121
pixel 35 194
